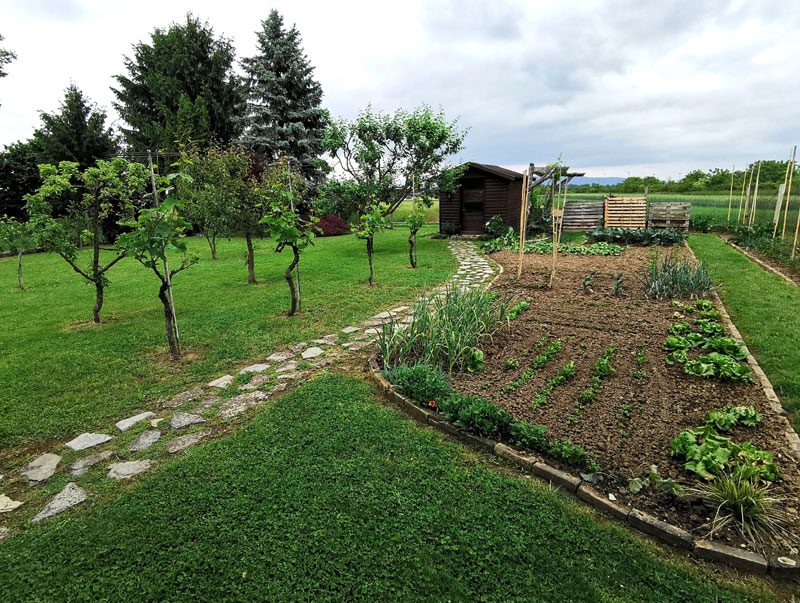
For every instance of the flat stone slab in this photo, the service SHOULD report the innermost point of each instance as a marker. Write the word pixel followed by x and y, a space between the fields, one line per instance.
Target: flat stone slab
pixel 185 419
pixel 128 469
pixel 348 330
pixel 126 424
pixel 280 357
pixel 81 466
pixel 372 331
pixel 356 345
pixel 312 353
pixel 207 403
pixel 239 404
pixel 71 495
pixel 183 398
pixel 4 533
pixel 291 376
pixel 399 309
pixel 278 388
pixel 383 316
pixel 40 469
pixel 87 440
pixel 286 366
pixel 321 362
pixel 255 382
pixel 7 505
pixel 176 444
pixel 222 382
pixel 155 422
pixel 738 558
pixel 254 368
pixel 298 346
pixel 145 439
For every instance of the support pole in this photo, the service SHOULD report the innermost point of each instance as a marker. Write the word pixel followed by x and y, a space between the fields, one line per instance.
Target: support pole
pixel 523 220
pixel 747 197
pixel 730 197
pixel 741 197
pixel 755 196
pixel 152 178
pixel 789 194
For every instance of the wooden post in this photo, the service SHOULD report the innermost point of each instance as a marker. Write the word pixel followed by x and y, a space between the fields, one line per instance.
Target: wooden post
pixel 755 196
pixel 523 221
pixel 730 197
pixel 152 178
pixel 789 192
pixel 747 197
pixel 741 197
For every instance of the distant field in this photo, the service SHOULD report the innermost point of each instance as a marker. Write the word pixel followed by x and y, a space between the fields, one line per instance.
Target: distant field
pixel 712 206
pixel 406 207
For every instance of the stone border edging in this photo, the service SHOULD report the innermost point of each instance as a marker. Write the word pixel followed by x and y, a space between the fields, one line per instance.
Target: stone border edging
pixel 761 263
pixel 792 439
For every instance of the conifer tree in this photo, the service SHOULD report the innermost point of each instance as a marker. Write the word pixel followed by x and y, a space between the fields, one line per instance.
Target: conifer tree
pixel 283 115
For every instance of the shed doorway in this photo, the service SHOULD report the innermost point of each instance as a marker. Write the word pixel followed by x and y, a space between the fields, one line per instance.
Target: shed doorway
pixel 472 216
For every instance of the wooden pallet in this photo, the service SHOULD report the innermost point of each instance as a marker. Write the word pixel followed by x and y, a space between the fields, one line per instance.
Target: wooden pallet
pixel 582 216
pixel 625 212
pixel 669 215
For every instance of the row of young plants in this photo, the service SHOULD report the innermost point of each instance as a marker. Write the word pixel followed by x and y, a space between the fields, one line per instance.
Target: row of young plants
pixel 724 353
pixel 430 387
pixel 538 362
pixel 510 242
pixel 639 236
pixel 602 369
pixel 758 237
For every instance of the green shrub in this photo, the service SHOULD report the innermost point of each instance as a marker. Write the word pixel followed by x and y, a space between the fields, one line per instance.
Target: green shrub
pixel 496 227
pixel 450 228
pixel 419 382
pixel 701 224
pixel 641 236
pixel 675 277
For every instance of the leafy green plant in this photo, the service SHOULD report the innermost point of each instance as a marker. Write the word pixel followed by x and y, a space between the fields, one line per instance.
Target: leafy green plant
pixel 657 483
pixel 477 414
pixel 725 345
pixel 626 410
pixel 639 375
pixel 423 384
pixel 496 227
pixel 538 362
pixel 676 342
pixel 641 236
pixel 517 309
pixel 718 365
pixel 678 356
pixel 710 315
pixel 641 358
pixel 475 360
pixel 511 243
pixel 680 328
pixel 729 416
pixel 586 283
pixel 566 373
pixel 602 369
pixel 675 277
pixel 704 305
pixel 709 328
pixel 616 284
pixel 512 363
pixel 695 339
pixel 444 331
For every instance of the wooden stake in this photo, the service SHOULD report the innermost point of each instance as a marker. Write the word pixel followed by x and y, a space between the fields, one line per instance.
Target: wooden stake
pixel 781 190
pixel 789 192
pixel 747 198
pixel 755 196
pixel 741 198
pixel 523 210
pixel 730 197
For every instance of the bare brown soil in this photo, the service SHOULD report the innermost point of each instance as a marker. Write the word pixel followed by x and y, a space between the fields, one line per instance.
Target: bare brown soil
pixel 630 425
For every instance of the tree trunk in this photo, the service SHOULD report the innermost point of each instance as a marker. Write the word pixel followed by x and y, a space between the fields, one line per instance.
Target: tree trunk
pixel 411 257
pixel 251 268
pixel 369 256
pixel 415 249
pixel 19 269
pixel 212 244
pixel 174 350
pixel 98 303
pixel 289 279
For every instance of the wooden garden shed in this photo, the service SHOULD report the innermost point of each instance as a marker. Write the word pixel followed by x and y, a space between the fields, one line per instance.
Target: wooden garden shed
pixel 484 191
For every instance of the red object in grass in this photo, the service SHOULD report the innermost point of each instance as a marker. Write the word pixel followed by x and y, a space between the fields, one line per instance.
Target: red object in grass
pixel 432 403
pixel 331 226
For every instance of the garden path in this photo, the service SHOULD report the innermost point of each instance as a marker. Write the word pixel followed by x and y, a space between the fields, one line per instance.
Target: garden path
pixel 211 405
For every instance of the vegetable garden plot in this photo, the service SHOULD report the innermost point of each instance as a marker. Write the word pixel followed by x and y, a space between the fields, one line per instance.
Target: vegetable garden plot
pixel 620 399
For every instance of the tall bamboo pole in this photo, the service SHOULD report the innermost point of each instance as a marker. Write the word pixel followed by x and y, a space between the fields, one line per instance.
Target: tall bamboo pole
pixel 741 197
pixel 780 197
pixel 730 197
pixel 523 210
pixel 755 196
pixel 747 198
pixel 789 193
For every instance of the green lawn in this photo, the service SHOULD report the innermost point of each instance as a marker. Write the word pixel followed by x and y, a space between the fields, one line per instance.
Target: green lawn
pixel 406 207
pixel 765 309
pixel 59 380
pixel 329 496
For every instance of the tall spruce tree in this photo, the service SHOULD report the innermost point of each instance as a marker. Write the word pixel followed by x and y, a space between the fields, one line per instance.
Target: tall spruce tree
pixel 283 115
pixel 180 87
pixel 76 133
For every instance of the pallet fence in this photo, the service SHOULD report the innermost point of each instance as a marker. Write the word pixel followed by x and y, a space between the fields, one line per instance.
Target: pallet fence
pixel 669 215
pixel 625 212
pixel 580 216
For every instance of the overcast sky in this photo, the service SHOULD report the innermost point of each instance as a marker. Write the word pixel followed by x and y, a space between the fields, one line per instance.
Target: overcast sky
pixel 616 87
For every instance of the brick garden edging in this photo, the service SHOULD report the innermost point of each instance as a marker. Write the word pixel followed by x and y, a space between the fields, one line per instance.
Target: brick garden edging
pixel 740 559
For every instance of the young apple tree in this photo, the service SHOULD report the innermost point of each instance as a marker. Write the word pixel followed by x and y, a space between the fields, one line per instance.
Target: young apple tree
pixel 112 188
pixel 154 233
pixel 415 221
pixel 371 223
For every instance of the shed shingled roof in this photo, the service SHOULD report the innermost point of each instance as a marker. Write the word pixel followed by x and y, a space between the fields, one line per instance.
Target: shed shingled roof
pixel 497 170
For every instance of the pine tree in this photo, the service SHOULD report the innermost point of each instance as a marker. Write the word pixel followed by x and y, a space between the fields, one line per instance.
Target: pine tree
pixel 283 115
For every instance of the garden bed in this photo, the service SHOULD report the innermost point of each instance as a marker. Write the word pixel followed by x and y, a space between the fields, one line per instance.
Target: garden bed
pixel 641 407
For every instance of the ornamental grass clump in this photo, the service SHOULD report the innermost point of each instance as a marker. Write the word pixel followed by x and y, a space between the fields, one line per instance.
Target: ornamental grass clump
pixel 676 277
pixel 445 331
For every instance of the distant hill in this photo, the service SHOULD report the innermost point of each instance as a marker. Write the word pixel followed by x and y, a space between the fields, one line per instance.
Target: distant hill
pixel 605 181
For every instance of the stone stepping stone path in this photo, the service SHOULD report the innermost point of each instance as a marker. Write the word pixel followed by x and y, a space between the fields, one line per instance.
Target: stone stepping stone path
pixel 179 443
pixel 185 419
pixel 42 468
pixel 71 495
pixel 83 465
pixel 144 440
pixel 87 440
pixel 128 468
pixel 473 271
pixel 126 424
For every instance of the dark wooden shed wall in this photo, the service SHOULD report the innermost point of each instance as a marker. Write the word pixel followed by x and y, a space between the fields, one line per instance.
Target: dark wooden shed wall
pixel 502 196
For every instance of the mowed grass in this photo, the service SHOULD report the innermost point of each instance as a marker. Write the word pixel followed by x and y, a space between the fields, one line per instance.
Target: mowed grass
pixel 60 378
pixel 406 207
pixel 765 309
pixel 329 496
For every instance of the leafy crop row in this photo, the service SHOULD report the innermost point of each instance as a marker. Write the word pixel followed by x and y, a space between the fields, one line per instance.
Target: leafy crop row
pixel 566 373
pixel 602 369
pixel 538 362
pixel 641 236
